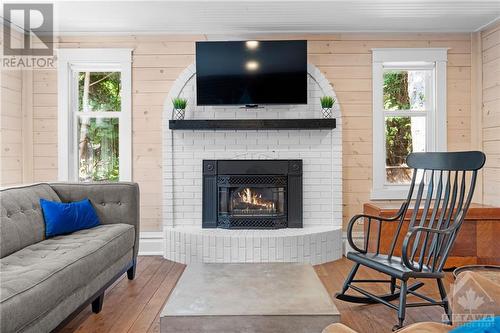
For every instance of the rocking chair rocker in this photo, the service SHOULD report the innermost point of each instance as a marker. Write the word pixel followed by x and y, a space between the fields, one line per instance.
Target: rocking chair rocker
pixel 430 236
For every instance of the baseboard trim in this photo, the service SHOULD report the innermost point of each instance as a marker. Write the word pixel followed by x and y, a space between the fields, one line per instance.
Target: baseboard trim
pixel 151 243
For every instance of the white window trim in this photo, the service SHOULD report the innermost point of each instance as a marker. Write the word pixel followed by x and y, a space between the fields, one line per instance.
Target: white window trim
pixel 92 59
pixel 437 129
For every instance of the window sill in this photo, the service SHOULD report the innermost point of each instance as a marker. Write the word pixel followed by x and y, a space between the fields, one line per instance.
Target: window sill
pixel 399 193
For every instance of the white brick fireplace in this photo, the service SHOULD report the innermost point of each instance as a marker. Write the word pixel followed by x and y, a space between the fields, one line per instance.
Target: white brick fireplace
pixel 320 150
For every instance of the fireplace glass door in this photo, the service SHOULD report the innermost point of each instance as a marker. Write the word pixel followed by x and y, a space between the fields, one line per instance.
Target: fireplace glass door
pixel 246 201
pixel 252 194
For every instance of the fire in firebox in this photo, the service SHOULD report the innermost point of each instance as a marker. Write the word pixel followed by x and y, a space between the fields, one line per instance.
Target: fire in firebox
pixel 248 201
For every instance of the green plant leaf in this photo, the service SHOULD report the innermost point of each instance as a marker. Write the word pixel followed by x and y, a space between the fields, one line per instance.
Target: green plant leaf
pixel 327 101
pixel 179 103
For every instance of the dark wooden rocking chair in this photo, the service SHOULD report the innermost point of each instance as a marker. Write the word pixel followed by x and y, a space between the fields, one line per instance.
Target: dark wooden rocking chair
pixel 448 181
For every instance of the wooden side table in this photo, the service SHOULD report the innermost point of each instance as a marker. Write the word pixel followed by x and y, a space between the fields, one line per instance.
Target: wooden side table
pixel 477 241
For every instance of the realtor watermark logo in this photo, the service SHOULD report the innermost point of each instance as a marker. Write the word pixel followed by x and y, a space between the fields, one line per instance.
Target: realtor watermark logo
pixel 28 35
pixel 471 302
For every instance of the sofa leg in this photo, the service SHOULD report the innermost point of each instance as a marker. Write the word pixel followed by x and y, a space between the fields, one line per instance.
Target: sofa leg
pixel 97 303
pixel 131 271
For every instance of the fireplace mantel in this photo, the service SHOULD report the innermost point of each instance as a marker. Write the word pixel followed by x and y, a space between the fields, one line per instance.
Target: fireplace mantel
pixel 251 124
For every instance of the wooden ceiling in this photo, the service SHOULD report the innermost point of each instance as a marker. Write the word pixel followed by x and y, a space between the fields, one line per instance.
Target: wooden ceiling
pixel 240 17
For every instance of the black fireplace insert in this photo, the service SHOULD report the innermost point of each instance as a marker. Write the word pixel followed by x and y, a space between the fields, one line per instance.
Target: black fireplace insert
pixel 252 194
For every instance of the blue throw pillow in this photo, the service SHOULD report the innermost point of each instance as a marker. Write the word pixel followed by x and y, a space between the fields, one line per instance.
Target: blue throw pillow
pixel 64 218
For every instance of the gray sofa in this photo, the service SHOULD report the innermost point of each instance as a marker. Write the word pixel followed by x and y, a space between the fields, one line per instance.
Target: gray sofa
pixel 46 281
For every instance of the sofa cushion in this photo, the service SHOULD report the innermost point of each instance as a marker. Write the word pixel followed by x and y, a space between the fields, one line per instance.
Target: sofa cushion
pixel 113 202
pixel 21 217
pixel 41 275
pixel 63 218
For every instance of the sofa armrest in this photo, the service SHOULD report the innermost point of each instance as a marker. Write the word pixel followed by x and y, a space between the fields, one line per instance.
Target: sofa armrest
pixel 114 202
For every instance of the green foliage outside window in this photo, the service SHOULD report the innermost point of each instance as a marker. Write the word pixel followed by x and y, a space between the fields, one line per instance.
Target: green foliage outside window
pixel 396 95
pixel 103 91
pixel 99 154
pixel 398 137
pixel 398 140
pixel 98 137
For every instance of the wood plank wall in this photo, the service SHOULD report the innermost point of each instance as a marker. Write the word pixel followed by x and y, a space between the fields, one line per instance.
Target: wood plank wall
pixel 11 123
pixel 345 59
pixel 490 41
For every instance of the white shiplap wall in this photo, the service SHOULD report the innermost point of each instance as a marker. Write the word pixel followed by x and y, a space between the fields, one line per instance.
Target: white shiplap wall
pixel 11 122
pixel 344 59
pixel 491 114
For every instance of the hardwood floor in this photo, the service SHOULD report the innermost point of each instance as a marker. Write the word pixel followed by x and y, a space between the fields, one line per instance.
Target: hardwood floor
pixel 134 306
pixel 376 318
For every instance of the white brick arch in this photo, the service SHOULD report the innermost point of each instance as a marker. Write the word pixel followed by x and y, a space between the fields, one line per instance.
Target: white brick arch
pixel 183 152
pixel 188 78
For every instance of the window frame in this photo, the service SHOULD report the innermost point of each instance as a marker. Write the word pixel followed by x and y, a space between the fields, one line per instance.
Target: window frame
pixel 71 61
pixel 436 129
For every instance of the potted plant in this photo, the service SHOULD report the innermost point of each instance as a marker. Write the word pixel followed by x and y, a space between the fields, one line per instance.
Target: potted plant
pixel 179 105
pixel 327 105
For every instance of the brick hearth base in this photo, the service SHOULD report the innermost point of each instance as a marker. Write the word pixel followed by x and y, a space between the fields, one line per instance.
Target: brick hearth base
pixel 314 245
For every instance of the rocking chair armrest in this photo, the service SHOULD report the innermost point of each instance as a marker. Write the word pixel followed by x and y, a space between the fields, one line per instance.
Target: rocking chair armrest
pixel 350 228
pixel 413 231
pixel 380 219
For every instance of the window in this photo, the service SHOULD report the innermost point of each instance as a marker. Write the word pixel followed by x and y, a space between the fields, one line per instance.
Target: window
pixel 409 114
pixel 94 114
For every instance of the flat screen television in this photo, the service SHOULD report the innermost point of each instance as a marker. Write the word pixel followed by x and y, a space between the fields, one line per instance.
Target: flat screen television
pixel 251 72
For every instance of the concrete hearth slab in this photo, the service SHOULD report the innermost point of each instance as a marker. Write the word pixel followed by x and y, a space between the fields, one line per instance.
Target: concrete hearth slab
pixel 274 297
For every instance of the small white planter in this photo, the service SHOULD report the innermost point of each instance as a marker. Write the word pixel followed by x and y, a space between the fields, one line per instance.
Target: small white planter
pixel 327 112
pixel 179 114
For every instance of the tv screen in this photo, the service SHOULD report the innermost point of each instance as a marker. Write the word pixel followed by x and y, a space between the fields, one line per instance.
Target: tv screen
pixel 251 72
